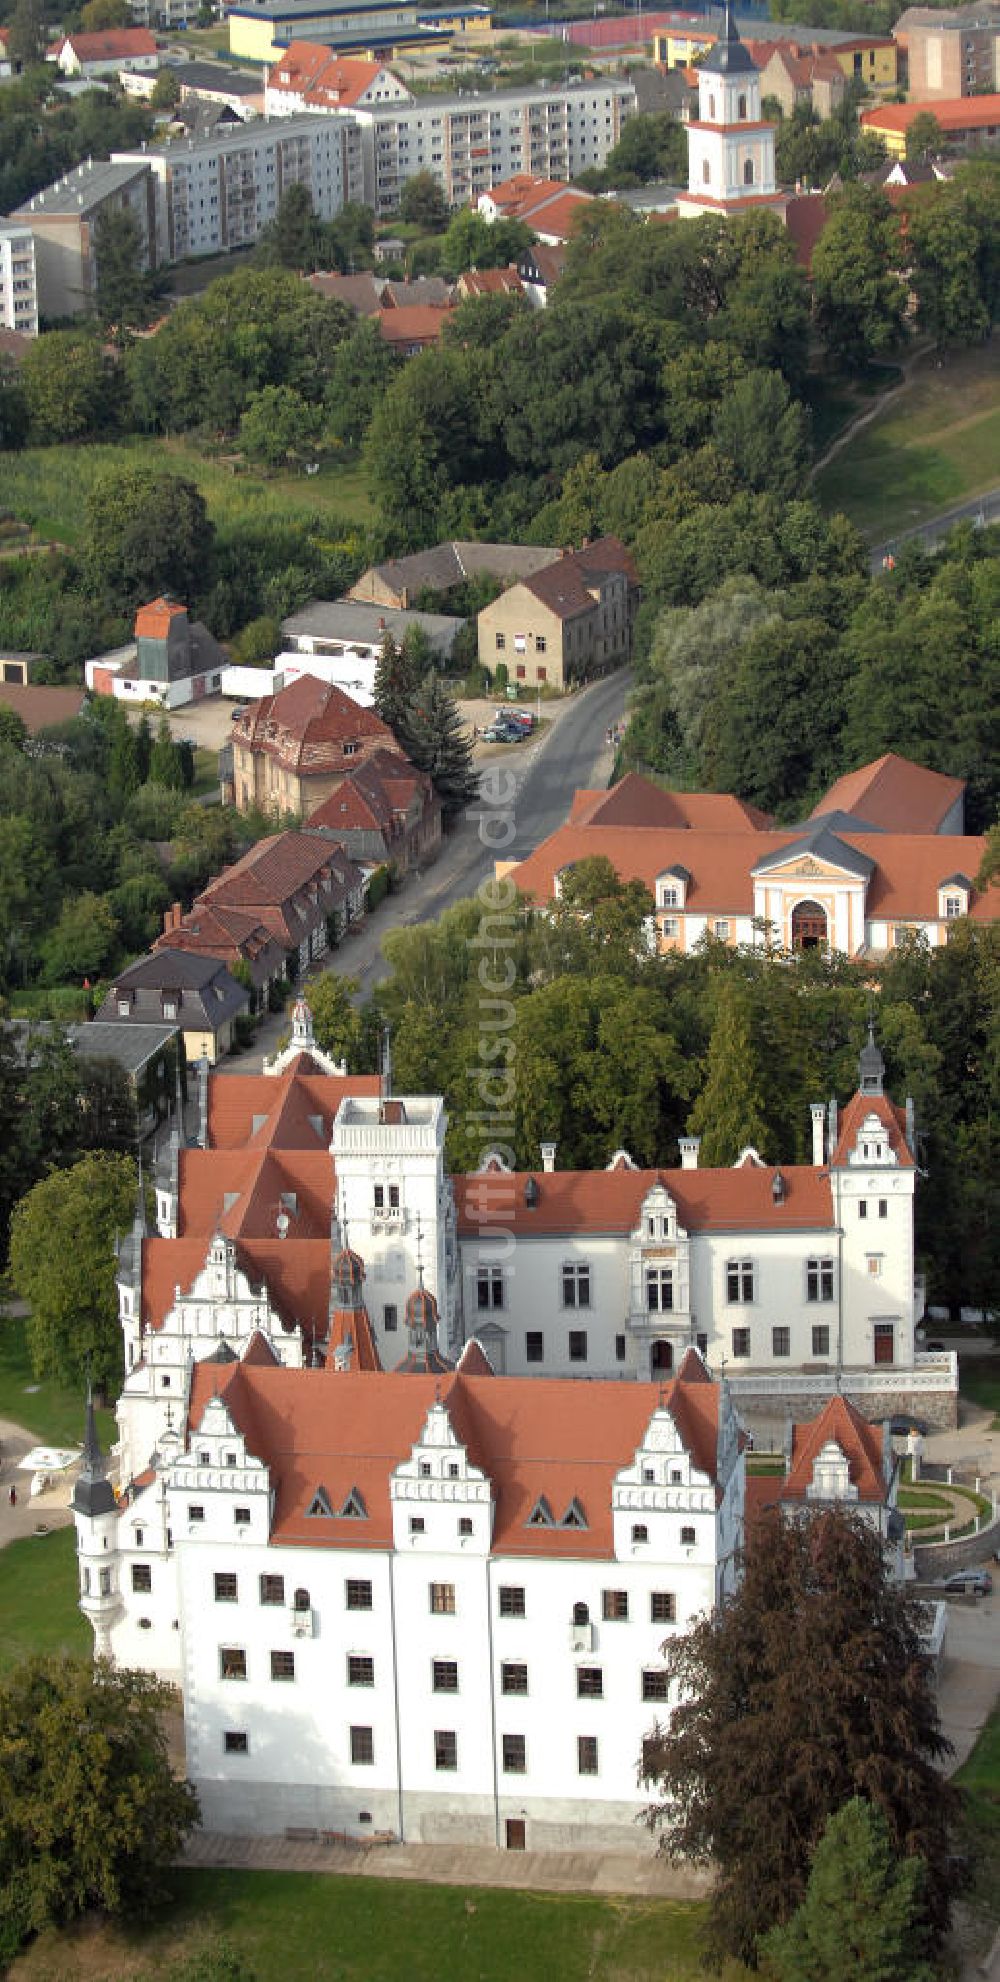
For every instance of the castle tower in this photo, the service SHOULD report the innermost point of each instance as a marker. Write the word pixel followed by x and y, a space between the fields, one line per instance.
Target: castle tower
pixel 730 149
pixel 95 1511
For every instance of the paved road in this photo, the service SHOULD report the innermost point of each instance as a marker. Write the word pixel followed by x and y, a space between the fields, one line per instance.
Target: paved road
pixel 533 787
pixel 980 509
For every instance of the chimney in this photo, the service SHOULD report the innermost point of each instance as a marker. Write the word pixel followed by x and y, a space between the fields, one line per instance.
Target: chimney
pixel 818 1113
pixel 689 1147
pixel 178 914
pixel 548 1150
pixel 203 1102
pixel 911 1127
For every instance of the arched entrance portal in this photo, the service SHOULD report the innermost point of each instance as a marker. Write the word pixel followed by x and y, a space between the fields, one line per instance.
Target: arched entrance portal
pixel 661 1358
pixel 808 927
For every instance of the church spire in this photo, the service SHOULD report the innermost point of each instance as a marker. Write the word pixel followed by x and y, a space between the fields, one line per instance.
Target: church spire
pixel 871 1065
pixel 93 1493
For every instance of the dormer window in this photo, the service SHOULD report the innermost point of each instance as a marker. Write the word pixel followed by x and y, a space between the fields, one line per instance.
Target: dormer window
pixel 954 906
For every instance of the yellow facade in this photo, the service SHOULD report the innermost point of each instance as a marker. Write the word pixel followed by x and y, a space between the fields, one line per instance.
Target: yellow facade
pixel 894 140
pixel 677 48
pixel 253 40
pixel 879 63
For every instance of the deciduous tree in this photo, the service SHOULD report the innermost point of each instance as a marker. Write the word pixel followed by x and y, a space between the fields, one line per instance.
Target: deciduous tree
pixel 809 1686
pixel 148 532
pixel 63 1263
pixel 859 297
pixel 729 1112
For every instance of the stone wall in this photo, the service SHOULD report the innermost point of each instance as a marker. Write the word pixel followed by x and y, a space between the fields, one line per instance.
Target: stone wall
pixel 935 1561
pixel 758 1407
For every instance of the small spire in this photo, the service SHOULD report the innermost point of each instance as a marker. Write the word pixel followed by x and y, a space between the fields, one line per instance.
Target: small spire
pixel 93 1493
pixel 871 1065
pixel 386 1063
pixel 140 1224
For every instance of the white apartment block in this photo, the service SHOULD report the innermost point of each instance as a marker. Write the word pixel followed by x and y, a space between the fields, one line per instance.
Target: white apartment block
pixel 431 1607
pixel 18 285
pixel 63 221
pixel 220 190
pixel 472 143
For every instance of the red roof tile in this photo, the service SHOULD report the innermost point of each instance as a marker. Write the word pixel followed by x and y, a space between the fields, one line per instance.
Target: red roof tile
pixel 859 1441
pixel 610 1200
pixel 953 113
pixel 413 323
pixel 105 45
pixel 894 794
pixel 856 1112
pixel 637 801
pixel 307 726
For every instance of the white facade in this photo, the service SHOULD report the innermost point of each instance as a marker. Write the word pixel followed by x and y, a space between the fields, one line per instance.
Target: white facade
pixel 730 147
pixel 220 190
pixel 286 92
pixel 444 1679
pixel 396 1206
pixel 18 285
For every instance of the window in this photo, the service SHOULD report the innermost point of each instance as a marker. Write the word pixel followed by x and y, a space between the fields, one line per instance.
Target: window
pixel 235 1742
pixel 640 1532
pixel 619 1348
pixel 442 1597
pixel 142 1577
pixel 614 1606
pixel 282 1665
pixel 444 1675
pixel 390 1320
pixel 416 1524
pixel 489 1287
pixel 669 926
pixel 534 1346
pixel 741 108
pixel 739 1280
pixel 445 1748
pixel 688 1537
pixel 578 1345
pixel 576 1286
pixel 662 1607
pixel 360 1669
pixel 196 1513
pixel 515 1757
pixel 781 1342
pixel 819 1279
pixel 104 1582
pixel 501 642
pixel 511 1600
pixel 362 1747
pixel 722 931
pixel 821 1341
pixel 659 1289
pixel 226 1587
pixel 747 169
pixel 232 1662
pixel 741 1343
pixel 655 1684
pixel 874 1265
pixel 540 643
pixel 241 1517
pixel 139 1532
pixel 359 1595
pixel 862 1207
pixel 952 907
pixel 513 1678
pixel 465 1524
pixel 586 1754
pixel 669 898
pixel 272 1589
pixel 590 1682
pixel 883 1207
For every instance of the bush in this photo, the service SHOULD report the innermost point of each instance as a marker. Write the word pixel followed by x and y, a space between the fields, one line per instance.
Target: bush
pixel 378 886
pixel 500 678
pixel 244 1032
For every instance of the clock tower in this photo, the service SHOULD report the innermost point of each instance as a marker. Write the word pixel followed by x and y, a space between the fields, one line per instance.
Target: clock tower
pixel 730 148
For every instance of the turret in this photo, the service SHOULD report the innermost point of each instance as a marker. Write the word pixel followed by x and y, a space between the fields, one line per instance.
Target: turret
pixel 95 1512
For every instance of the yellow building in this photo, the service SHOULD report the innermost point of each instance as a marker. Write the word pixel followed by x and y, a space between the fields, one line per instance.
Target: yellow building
pixel 870 59
pixel 376 29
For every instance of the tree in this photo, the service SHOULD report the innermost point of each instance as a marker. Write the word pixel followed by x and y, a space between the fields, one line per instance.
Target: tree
pixel 91 1812
pixel 729 1112
pixel 166 89
pixel 396 680
pixel 294 238
pixel 122 288
pixel 763 431
pixel 434 737
pixel 334 1017
pixel 278 423
pixel 83 941
pixel 924 138
pixel 423 204
pixel 810 1685
pixel 99 14
pixel 652 146
pixel 945 270
pixel 64 382
pixel 860 1918
pixel 26 35
pixel 148 532
pixel 360 375
pixel 62 1261
pixel 13 729
pixel 164 762
pixel 860 299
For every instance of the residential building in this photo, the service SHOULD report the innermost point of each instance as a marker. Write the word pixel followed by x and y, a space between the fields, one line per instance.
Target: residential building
pixel 400 580
pixel 570 621
pixel 63 218
pixel 291 749
pixel 225 88
pixel 175 660
pixel 235 936
pixel 730 146
pixel 540 269
pixel 303 890
pixel 370 295
pixel 840 879
pixel 549 207
pixel 106 52
pixel 970 122
pixel 165 13
pixel 868 59
pixel 469 144
pixel 351 627
pixel 950 52
pixel 18 283
pixel 219 190
pixel 450 1592
pixel 384 814
pixel 800 78
pixel 308 76
pixel 412 328
pixel 477 282
pixel 196 994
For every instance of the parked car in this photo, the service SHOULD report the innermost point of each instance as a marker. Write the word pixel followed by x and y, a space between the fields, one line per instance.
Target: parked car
pixel 971 1582
pixel 499 733
pixel 902 1424
pixel 935 1348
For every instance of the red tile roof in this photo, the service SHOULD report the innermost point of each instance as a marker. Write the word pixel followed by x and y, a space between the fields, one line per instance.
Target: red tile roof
pixel 413 323
pixel 275 1112
pixel 152 622
pixel 490 282
pixel 953 113
pixel 894 794
pixel 565 586
pixel 110 43
pixel 637 801
pixel 352 1341
pixel 307 725
pixel 856 1112
pixel 859 1441
pixel 805 219
pixel 562 1439
pixel 40 706
pixel 307 68
pixel 610 1200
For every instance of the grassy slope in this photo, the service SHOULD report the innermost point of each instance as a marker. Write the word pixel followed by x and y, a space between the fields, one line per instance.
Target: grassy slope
pixel 291 1925
pixel 48 486
pixel 52 1412
pixel 38 1611
pixel 936 445
pixel 979 1778
pixel 979 1380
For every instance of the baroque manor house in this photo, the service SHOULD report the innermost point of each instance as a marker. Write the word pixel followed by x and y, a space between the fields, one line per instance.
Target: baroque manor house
pixel 405 1585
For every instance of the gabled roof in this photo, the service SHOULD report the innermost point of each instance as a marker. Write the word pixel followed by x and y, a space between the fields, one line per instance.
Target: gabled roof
pixel 560 1440
pixel 307 726
pixel 820 844
pixel 859 1441
pixel 637 801
pixel 109 43
pixel 283 1111
pixel 325 80
pixel 275 871
pixel 153 621
pixel 413 323
pixel 352 1344
pixel 736 1200
pixel 567 586
pixel 855 1114
pixel 894 794
pixel 954 113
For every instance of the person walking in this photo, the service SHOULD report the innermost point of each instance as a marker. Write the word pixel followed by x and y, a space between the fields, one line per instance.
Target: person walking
pixel 12 1496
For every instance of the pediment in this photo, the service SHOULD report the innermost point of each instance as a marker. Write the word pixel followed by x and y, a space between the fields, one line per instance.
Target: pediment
pixel 816 857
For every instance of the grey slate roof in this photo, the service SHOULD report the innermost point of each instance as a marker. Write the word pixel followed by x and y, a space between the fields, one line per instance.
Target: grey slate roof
pixel 207 994
pixel 729 57
pixel 823 845
pixel 351 619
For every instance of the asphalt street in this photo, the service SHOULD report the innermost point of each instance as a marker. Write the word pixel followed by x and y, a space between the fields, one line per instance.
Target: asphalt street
pixel 980 509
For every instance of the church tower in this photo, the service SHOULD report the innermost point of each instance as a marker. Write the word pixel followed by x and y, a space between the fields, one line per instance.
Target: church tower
pixel 730 150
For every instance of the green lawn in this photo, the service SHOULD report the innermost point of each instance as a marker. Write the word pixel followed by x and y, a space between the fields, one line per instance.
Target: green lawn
pixel 931 449
pixel 979 1779
pixel 38 1608
pixel 48 486
pixel 53 1412
pixel 979 1380
pixel 291 1925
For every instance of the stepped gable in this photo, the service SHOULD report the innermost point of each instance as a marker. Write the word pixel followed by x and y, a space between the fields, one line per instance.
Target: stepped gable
pixel 894 795
pixel 860 1442
pixel 562 1440
pixel 737 1200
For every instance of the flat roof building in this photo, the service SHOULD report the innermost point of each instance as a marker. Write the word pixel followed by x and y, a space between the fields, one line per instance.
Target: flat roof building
pixel 63 217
